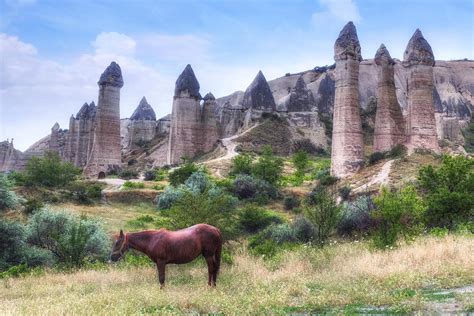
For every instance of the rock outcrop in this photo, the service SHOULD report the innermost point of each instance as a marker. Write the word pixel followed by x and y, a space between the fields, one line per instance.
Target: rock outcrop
pixel 105 154
pixel 258 95
pixel 193 129
pixel 421 124
pixel 80 135
pixel 143 125
pixel 301 98
pixel 389 123
pixel 347 154
pixel 54 139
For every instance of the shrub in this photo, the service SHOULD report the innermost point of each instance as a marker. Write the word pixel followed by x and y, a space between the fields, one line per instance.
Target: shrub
pixel 211 207
pixel 345 192
pixel 241 164
pixel 85 192
pixel 323 212
pixel 268 167
pixel 397 151
pixel 281 233
pixel 449 191
pixel 71 240
pixel 8 198
pixel 303 229
pixel 376 156
pixel 161 173
pixel 49 171
pixel 31 205
pixel 13 247
pixel 397 214
pixel 252 219
pixel 197 182
pixel 307 146
pixel 128 174
pixel 290 202
pixel 180 175
pixel 247 187
pixel 356 216
pixel 171 195
pixel 149 175
pixel 325 178
pixel 129 185
pixel 300 161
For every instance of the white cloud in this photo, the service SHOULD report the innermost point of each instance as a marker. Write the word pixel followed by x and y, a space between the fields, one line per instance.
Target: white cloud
pixel 339 10
pixel 114 43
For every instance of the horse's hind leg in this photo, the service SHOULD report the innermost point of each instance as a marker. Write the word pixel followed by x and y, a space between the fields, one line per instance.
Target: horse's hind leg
pixel 161 273
pixel 210 270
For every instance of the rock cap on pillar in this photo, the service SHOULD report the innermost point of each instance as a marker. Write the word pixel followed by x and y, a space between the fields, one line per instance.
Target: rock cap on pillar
pixel 258 95
pixel 418 51
pixel 144 111
pixel 187 82
pixel 382 56
pixel 55 127
pixel 111 76
pixel 347 44
pixel 209 97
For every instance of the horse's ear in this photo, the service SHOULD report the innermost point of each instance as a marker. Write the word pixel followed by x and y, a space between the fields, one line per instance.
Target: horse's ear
pixel 121 233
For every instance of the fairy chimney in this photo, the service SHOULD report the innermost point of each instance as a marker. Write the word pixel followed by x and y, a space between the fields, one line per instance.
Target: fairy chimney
pixel 347 143
pixel 105 155
pixel 185 118
pixel 209 123
pixel 258 95
pixel 421 124
pixel 389 123
pixel 54 139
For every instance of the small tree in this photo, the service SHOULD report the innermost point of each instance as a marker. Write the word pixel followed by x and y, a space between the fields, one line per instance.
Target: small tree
pixel 397 214
pixel 300 161
pixel 323 212
pixel 449 191
pixel 241 164
pixel 50 171
pixel 268 167
pixel 180 175
pixel 8 198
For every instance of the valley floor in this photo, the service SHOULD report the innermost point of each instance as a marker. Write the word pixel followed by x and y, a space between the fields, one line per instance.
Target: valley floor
pixel 431 275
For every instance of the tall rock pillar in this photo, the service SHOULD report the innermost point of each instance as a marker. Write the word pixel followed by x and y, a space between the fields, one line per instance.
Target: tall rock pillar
pixel 347 141
pixel 389 123
pixel 54 140
pixel 185 129
pixel 209 123
pixel 105 154
pixel 421 123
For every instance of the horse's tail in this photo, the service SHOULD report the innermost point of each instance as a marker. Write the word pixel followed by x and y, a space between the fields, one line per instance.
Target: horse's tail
pixel 217 255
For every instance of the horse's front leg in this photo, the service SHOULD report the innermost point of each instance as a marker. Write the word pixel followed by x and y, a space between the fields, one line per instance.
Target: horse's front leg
pixel 161 273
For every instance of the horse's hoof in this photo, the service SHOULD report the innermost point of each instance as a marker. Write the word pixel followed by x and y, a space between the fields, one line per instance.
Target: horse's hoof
pixel 162 287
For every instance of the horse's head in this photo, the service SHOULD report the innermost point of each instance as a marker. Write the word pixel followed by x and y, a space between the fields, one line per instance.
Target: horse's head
pixel 120 247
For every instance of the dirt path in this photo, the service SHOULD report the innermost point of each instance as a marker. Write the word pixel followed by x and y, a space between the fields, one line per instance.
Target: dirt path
pixel 379 178
pixel 115 184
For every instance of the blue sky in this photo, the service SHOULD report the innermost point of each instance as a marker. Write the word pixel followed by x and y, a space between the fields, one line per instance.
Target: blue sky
pixel 52 52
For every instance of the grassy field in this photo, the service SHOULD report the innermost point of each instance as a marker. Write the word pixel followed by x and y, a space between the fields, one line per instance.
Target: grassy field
pixel 341 278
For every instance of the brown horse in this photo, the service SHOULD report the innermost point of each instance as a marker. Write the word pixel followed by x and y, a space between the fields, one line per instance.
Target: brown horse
pixel 182 246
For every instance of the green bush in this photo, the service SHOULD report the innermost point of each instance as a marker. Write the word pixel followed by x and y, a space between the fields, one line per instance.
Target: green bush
pixel 170 196
pixel 248 187
pixel 8 198
pixel 397 214
pixel 252 219
pixel 290 202
pixel 303 229
pixel 149 175
pixel 325 178
pixel 356 216
pixel 85 192
pixel 49 171
pixel 345 192
pixel 375 157
pixel 128 174
pixel 323 212
pixel 71 240
pixel 241 164
pixel 197 182
pixel 397 151
pixel 129 185
pixel 14 250
pixel 31 205
pixel 307 146
pixel 300 161
pixel 449 192
pixel 268 167
pixel 180 175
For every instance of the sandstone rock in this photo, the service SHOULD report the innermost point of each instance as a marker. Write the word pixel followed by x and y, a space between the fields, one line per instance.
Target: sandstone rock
pixel 421 123
pixel 209 123
pixel 54 140
pixel 187 82
pixel 389 123
pixel 258 95
pixel 347 154
pixel 105 154
pixel 143 112
pixel 301 99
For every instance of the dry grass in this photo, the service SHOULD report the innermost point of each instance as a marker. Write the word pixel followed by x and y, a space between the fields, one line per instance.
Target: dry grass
pixel 306 279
